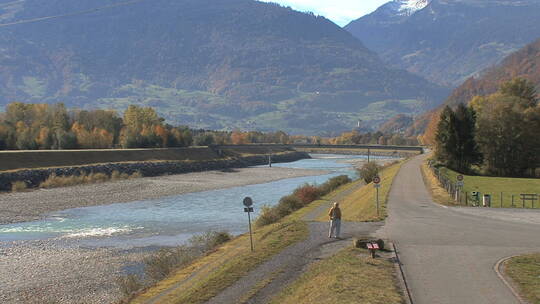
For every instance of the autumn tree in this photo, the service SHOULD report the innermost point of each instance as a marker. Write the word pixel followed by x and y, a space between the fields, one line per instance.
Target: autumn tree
pixel 140 128
pixel 508 135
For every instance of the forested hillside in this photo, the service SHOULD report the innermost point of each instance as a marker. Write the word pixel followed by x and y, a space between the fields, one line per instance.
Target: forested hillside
pixel 448 41
pixel 205 63
pixel 525 64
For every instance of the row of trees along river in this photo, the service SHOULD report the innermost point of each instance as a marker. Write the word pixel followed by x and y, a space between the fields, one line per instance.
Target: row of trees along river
pixel 495 135
pixel 26 126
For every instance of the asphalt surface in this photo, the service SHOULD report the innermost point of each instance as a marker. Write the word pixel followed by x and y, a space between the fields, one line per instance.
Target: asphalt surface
pixel 448 255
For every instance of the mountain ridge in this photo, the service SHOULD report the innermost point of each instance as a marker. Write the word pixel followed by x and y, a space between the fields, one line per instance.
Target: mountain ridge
pixel 448 41
pixel 210 64
pixel 524 63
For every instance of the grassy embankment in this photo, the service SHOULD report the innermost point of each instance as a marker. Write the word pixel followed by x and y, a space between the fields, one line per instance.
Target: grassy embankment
pixel 216 271
pixel 497 186
pixel 360 206
pixel 525 273
pixel 350 276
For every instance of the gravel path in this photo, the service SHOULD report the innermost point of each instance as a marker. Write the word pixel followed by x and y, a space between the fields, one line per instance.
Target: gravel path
pixel 267 280
pixel 34 205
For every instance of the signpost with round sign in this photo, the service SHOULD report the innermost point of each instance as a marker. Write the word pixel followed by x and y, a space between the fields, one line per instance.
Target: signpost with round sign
pixel 377 185
pixel 248 203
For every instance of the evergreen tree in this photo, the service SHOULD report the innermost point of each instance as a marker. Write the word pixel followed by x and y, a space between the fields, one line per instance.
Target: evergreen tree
pixel 467 152
pixel 446 138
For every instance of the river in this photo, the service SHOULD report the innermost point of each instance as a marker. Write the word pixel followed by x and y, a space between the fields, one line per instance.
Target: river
pixel 170 221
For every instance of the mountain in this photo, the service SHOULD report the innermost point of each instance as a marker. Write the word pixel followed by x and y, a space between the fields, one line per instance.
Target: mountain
pixel 206 63
pixel 524 63
pixel 396 124
pixel 448 41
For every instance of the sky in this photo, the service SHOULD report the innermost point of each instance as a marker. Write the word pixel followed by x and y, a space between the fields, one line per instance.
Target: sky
pixel 340 12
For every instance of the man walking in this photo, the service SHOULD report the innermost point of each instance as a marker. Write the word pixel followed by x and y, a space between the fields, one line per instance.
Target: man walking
pixel 335 220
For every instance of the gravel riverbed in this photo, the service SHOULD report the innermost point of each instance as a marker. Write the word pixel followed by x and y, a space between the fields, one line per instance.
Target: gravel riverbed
pixel 65 270
pixel 35 204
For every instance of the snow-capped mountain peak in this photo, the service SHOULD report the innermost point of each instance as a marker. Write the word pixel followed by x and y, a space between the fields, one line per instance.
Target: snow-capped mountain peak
pixel 409 7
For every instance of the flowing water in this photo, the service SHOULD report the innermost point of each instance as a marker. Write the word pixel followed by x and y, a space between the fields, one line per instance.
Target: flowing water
pixel 171 220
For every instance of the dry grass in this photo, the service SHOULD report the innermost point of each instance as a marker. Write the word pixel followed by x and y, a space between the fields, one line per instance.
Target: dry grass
pixel 350 276
pixel 234 260
pixel 18 186
pixel 220 269
pixel 55 181
pixel 437 192
pixel 525 272
pixel 360 205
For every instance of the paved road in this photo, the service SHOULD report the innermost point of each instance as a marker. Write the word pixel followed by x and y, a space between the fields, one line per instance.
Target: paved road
pixel 449 256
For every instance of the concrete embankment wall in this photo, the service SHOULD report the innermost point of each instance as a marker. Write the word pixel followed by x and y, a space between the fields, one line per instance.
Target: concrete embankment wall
pixel 12 160
pixel 34 177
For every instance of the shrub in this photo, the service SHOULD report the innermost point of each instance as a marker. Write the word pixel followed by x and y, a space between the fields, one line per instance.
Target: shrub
pixel 209 240
pixel 116 175
pixel 18 186
pixel 307 193
pixel 129 284
pixel 163 262
pixel 267 216
pixel 292 202
pixel 369 171
pixel 95 178
pixel 333 183
pixel 136 174
pixel 83 178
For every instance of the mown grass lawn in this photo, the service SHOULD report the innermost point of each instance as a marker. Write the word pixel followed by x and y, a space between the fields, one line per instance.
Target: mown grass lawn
pixel 350 276
pixel 360 205
pixel 525 272
pixel 495 186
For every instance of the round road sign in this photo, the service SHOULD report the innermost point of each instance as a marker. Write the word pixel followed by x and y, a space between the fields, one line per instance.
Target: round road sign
pixel 376 180
pixel 460 177
pixel 248 202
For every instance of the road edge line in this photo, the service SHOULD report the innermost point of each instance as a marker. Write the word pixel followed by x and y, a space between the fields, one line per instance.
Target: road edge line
pixel 409 298
pixel 500 274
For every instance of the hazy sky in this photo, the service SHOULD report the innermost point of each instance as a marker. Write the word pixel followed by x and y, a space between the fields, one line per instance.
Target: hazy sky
pixel 339 11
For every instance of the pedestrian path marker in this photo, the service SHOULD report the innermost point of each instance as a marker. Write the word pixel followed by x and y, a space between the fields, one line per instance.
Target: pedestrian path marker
pixel 248 203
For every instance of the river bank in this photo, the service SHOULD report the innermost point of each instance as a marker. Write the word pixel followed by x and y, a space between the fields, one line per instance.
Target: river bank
pixel 34 205
pixel 71 270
